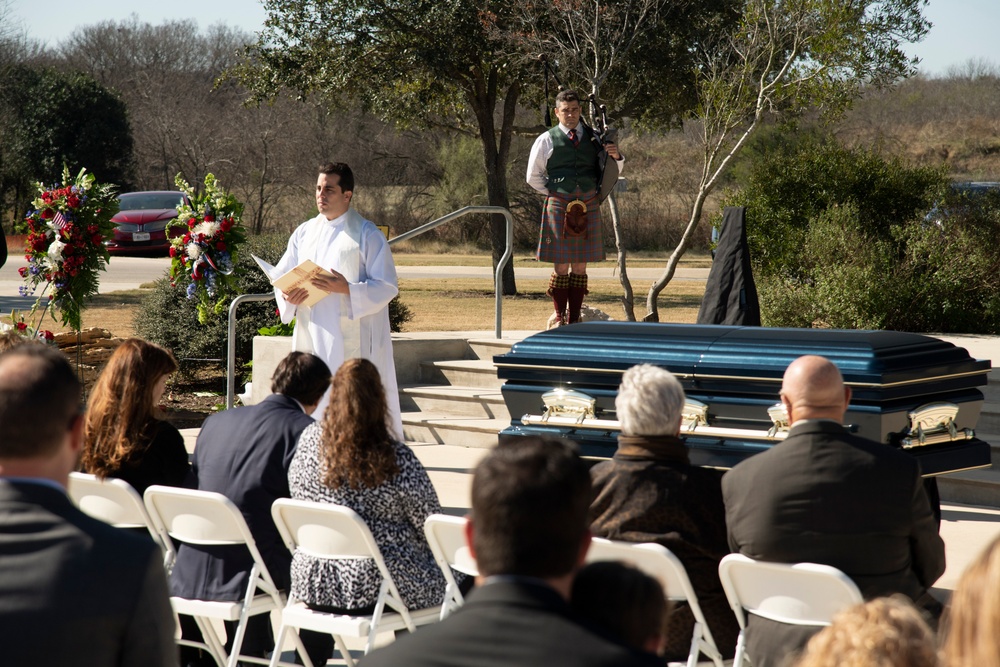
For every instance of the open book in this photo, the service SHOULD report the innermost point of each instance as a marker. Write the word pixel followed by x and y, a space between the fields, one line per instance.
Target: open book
pixel 300 276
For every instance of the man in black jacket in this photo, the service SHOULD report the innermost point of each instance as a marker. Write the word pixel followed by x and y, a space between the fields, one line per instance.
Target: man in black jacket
pixel 244 454
pixel 826 496
pixel 528 532
pixel 73 590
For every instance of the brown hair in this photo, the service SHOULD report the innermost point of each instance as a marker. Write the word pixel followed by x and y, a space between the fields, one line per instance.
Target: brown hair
pixel 884 632
pixel 623 600
pixel 972 623
pixel 355 445
pixel 120 413
pixel 39 401
pixel 302 376
pixel 530 500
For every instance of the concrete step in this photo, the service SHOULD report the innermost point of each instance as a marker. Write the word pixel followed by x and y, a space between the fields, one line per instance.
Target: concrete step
pixel 480 402
pixel 442 428
pixel 460 373
pixel 972 487
pixel 485 348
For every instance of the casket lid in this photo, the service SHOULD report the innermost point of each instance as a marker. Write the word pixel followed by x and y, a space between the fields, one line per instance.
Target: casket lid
pixel 691 351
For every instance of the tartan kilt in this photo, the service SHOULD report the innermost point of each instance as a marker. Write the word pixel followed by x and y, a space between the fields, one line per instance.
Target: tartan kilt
pixel 553 247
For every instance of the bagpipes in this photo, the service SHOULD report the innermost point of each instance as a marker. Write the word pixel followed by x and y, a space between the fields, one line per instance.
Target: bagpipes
pixel 602 133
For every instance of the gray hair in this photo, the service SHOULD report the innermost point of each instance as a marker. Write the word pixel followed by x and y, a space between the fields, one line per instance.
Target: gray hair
pixel 649 401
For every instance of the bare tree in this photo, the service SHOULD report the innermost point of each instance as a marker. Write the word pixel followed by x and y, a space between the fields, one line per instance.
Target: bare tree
pixel 786 57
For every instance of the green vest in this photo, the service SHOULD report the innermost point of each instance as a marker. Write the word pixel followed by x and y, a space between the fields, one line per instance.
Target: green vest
pixel 571 167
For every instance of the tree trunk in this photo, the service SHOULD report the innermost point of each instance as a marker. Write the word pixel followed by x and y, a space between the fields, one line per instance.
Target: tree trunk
pixel 653 314
pixel 627 295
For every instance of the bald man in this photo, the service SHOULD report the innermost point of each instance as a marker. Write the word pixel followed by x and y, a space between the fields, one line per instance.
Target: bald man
pixel 826 496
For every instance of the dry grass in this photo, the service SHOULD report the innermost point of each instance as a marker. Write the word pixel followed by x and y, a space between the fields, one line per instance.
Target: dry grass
pixel 468 304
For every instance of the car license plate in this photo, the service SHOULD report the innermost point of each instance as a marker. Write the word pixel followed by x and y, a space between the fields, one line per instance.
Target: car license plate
pixel 140 236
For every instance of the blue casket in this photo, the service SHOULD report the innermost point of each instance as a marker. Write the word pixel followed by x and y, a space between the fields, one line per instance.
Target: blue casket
pixel 910 391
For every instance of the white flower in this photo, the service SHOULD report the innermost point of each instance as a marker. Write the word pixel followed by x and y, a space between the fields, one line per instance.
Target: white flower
pixel 55 251
pixel 183 216
pixel 207 228
pixel 193 251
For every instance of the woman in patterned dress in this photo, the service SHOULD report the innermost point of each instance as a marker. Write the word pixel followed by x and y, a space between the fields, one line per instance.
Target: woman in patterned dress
pixel 350 459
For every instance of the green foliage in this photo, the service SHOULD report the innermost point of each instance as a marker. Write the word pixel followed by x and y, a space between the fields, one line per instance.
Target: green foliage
pixel 170 319
pixel 399 314
pixel 840 238
pixel 50 119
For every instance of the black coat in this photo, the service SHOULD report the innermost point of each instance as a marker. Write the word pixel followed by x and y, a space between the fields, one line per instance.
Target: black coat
pixel 649 492
pixel 826 496
pixel 508 624
pixel 76 591
pixel 243 454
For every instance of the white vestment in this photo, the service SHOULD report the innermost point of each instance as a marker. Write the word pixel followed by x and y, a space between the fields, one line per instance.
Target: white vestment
pixel 342 326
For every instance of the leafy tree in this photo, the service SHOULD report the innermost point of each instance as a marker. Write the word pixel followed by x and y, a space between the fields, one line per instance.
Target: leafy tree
pixel 416 63
pixel 784 58
pixel 51 119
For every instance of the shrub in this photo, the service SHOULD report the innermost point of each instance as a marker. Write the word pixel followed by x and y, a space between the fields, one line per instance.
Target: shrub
pixel 169 319
pixel 839 238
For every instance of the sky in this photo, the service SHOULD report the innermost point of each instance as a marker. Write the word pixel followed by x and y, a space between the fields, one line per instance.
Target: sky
pixel 963 29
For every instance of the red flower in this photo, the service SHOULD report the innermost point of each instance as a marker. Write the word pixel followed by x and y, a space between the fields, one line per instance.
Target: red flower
pixel 23 271
pixel 173 251
pixel 221 245
pixel 21 326
pixel 190 223
pixel 47 214
pixel 39 244
pixel 209 217
pixel 48 335
pixel 226 224
pixel 72 201
pixel 96 239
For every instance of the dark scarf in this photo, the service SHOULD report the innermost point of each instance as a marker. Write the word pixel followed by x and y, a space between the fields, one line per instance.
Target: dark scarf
pixel 666 448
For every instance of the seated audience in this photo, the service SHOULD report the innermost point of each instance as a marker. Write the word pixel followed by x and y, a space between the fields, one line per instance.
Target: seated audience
pixel 73 590
pixel 884 632
pixel 350 459
pixel 245 454
pixel 528 533
pixel 650 492
pixel 827 496
pixel 972 622
pixel 124 437
pixel 624 602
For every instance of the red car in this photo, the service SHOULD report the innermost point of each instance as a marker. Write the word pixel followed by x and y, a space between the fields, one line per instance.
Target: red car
pixel 141 222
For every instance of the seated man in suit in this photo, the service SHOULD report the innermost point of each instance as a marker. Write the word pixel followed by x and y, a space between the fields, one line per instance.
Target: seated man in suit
pixel 244 454
pixel 826 496
pixel 528 533
pixel 73 590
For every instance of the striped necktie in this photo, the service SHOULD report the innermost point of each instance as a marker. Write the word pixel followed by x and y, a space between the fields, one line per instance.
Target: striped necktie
pixel 575 139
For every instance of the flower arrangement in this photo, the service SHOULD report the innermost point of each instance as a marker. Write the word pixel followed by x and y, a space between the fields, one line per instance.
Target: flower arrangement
pixel 65 244
pixel 25 330
pixel 203 260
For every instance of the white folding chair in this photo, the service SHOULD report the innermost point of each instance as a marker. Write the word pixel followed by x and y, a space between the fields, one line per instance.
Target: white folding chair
pixel 114 501
pixel 797 594
pixel 331 531
pixel 211 519
pixel 446 537
pixel 660 563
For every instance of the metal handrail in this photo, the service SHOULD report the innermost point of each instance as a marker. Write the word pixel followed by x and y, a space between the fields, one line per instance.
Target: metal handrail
pixel 244 298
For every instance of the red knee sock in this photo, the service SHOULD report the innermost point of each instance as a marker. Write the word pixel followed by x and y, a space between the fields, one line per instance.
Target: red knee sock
pixel 577 290
pixel 559 291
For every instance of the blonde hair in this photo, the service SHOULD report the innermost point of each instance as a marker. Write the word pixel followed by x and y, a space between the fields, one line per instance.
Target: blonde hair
pixel 885 632
pixel 972 623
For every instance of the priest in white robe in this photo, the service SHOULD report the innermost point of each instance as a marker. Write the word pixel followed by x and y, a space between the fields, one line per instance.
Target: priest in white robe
pixel 353 320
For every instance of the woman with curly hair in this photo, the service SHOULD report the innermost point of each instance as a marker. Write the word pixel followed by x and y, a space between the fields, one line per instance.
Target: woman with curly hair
pixel 123 436
pixel 972 622
pixel 350 459
pixel 884 632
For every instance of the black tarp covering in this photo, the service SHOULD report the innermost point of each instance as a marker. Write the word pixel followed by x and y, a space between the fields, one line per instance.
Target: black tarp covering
pixel 730 294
